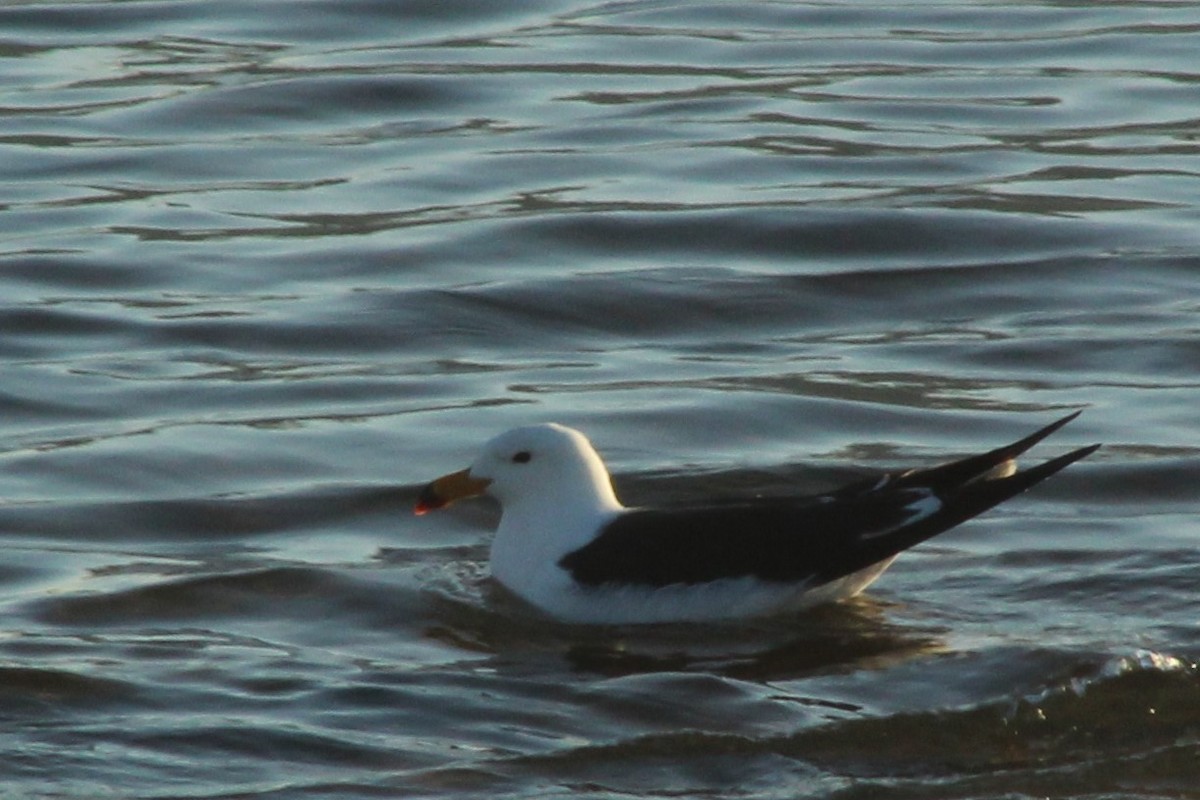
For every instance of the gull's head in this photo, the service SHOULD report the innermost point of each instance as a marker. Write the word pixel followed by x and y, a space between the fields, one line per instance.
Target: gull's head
pixel 528 464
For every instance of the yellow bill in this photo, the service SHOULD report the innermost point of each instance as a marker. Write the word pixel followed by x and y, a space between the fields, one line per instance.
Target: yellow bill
pixel 445 490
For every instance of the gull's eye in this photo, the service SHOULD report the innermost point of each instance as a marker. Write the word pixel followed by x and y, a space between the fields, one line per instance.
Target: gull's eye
pixel 522 457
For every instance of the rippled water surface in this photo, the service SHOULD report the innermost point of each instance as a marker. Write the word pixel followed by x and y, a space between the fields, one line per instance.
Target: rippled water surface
pixel 266 268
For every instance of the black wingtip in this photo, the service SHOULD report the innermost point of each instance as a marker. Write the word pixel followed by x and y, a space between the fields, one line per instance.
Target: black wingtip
pixel 1048 468
pixel 964 499
pixel 1021 445
pixel 980 496
pixel 955 474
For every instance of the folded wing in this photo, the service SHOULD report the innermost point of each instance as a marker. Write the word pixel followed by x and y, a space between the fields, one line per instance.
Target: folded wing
pixel 809 540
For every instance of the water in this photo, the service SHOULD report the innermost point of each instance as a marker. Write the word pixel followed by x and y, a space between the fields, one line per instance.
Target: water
pixel 266 268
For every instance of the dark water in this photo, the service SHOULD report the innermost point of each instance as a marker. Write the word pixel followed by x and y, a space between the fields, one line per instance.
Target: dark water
pixel 266 268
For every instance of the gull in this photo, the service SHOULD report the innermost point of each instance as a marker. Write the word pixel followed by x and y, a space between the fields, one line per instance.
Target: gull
pixel 566 545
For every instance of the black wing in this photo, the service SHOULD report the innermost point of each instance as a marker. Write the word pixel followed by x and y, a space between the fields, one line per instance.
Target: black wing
pixel 815 539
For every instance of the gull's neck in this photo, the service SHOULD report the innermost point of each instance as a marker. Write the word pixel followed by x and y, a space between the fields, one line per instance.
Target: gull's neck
pixel 538 528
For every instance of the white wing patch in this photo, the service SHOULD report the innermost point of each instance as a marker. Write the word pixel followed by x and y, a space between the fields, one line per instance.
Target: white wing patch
pixel 925 504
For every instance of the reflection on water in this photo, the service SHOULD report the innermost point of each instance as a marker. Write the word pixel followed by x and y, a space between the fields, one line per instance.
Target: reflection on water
pixel 839 639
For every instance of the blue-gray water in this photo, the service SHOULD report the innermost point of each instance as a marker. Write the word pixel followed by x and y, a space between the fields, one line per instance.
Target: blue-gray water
pixel 265 268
